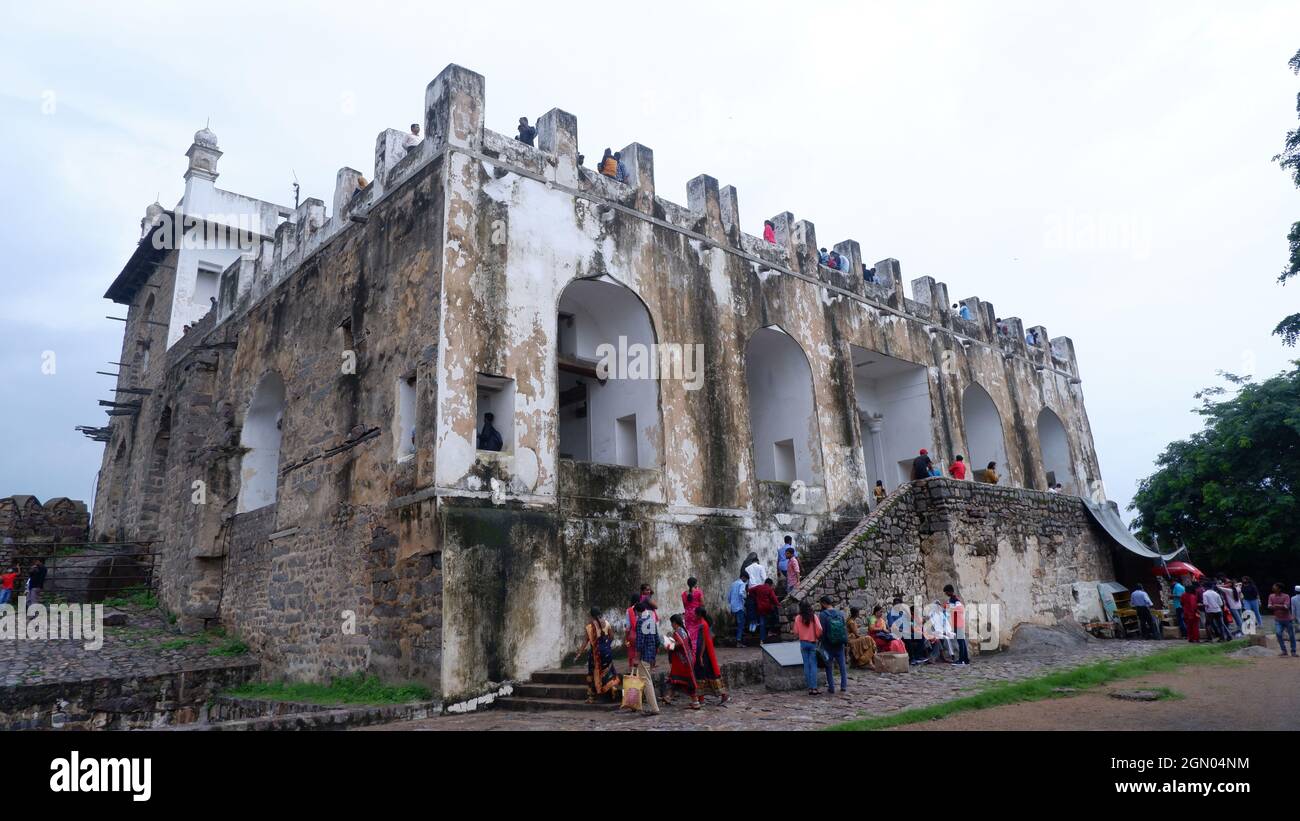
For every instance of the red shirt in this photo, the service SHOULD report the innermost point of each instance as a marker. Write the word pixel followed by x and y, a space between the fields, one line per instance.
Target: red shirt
pixel 1281 606
pixel 7 580
pixel 764 599
pixel 957 470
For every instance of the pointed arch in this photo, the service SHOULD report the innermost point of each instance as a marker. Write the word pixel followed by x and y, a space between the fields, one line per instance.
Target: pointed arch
pixel 1054 446
pixel 155 481
pixel 260 466
pixel 783 426
pixel 612 420
pixel 985 440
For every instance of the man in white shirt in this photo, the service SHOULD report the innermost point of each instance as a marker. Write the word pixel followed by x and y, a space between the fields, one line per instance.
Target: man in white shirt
pixel 413 139
pixel 1213 604
pixel 1141 601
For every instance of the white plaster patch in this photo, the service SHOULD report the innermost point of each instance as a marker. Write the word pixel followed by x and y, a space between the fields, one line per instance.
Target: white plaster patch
pixel 525 469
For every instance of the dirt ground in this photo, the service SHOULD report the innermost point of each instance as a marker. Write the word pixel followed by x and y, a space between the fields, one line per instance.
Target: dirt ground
pixel 1237 694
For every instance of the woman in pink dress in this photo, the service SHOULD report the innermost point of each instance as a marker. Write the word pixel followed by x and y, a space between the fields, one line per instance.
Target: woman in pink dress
pixel 692 598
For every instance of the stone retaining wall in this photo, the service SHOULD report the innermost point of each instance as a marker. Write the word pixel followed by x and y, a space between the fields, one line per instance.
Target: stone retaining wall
pixel 129 703
pixel 1021 551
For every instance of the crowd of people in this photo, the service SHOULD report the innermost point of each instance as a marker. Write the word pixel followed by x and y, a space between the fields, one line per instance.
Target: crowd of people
pixel 828 639
pixel 1223 606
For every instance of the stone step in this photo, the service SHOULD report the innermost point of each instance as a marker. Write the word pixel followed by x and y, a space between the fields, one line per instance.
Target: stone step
pixel 533 689
pixel 574 676
pixel 538 705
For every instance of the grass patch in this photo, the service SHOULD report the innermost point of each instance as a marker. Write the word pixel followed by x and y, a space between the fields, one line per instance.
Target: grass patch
pixel 354 689
pixel 1167 694
pixel 230 647
pixel 138 596
pixel 1048 686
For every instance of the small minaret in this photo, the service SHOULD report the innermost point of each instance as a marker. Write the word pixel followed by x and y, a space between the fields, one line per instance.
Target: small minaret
pixel 203 155
pixel 152 216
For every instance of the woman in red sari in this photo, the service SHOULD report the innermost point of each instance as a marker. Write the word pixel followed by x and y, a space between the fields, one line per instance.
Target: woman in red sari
pixel 681 675
pixel 708 673
pixel 692 598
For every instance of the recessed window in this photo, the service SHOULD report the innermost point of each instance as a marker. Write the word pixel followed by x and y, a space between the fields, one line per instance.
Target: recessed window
pixel 404 421
pixel 494 425
pixel 783 460
pixel 625 440
pixel 205 289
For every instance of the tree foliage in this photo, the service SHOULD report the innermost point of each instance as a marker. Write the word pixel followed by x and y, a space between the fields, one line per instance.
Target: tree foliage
pixel 1289 159
pixel 1229 492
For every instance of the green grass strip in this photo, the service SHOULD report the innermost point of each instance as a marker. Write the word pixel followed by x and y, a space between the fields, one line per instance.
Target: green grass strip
pixel 1050 685
pixel 354 689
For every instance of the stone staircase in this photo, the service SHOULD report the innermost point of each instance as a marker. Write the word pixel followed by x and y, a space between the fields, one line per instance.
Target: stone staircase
pixel 564 689
pixel 826 544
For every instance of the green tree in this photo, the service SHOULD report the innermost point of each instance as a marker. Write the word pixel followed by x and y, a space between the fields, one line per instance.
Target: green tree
pixel 1289 159
pixel 1228 493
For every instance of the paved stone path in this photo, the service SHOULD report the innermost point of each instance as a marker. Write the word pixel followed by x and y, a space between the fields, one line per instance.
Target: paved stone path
pixel 146 645
pixel 753 708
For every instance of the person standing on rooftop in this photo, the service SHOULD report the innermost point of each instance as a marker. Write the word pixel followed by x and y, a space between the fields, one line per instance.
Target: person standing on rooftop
pixel 526 132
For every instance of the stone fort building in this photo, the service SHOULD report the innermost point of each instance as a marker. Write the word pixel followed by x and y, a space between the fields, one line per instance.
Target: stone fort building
pixel 301 391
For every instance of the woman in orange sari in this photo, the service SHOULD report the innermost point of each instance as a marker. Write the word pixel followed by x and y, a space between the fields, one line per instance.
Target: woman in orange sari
pixel 602 678
pixel 681 674
pixel 708 673
pixel 861 647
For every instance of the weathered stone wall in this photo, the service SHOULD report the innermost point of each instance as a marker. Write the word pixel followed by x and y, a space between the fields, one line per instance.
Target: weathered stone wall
pixel 314 583
pixel 1021 550
pixel 127 703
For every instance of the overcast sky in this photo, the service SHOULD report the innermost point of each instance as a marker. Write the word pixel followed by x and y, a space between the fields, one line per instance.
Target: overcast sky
pixel 980 143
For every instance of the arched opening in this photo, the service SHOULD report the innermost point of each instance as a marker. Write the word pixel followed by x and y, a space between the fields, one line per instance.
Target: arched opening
pixel 607 415
pixel 984 440
pixel 156 479
pixel 1055 448
pixel 893 400
pixel 260 437
pixel 782 421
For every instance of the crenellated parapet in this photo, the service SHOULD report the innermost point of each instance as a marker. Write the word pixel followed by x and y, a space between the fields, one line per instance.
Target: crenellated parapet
pixel 454 121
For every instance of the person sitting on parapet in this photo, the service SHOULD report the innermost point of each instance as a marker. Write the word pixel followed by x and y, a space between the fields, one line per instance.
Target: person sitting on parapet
pixel 833 260
pixel 868 274
pixel 988 475
pixel 526 132
pixel 957 469
pixel 413 139
pixel 823 258
pixel 844 263
pixel 921 465
pixel 769 232
pixel 490 438
pixel 608 165
pixel 620 170
pixel 1031 337
pixel 963 311
pixel 1001 326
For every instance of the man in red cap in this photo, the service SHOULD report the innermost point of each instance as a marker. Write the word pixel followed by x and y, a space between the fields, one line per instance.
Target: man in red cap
pixel 921 466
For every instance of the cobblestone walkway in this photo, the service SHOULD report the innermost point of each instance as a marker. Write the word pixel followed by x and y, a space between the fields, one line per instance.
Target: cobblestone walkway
pixel 146 645
pixel 753 708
